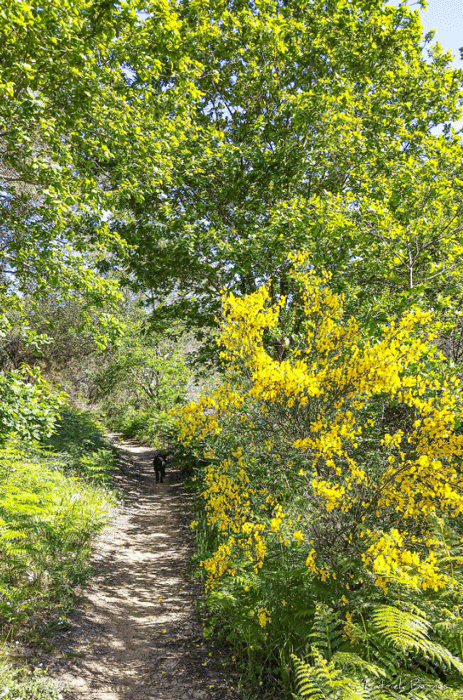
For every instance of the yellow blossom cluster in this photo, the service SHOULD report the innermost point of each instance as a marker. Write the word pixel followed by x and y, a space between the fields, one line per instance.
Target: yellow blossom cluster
pixel 217 565
pixel 349 628
pixel 325 383
pixel 319 571
pixel 391 560
pixel 230 506
pixel 204 417
pixel 227 499
pixel 263 616
pixel 332 494
pixel 276 521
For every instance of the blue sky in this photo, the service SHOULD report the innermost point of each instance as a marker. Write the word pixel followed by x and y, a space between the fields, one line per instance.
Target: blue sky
pixel 446 17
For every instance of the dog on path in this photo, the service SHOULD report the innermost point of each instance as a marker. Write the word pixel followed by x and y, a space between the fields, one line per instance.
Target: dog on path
pixel 159 464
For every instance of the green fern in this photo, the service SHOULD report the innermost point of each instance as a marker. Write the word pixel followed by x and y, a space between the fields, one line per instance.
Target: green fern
pixel 323 681
pixel 326 634
pixel 450 630
pixel 402 661
pixel 361 667
pixel 408 632
pixel 435 691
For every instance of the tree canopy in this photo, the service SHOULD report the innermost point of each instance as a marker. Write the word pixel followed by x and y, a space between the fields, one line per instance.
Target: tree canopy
pixel 322 124
pixel 69 115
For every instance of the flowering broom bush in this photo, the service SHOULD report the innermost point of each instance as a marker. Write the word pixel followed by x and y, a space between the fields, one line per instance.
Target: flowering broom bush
pixel 334 468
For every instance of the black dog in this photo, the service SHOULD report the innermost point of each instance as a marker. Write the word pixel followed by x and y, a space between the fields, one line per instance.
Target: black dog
pixel 159 464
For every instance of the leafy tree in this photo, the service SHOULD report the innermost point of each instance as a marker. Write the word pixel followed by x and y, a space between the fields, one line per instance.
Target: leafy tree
pixel 70 114
pixel 316 127
pixel 28 403
pixel 141 378
pixel 146 369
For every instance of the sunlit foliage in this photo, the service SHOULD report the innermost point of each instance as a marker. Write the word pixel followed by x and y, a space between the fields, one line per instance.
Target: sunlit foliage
pixel 344 451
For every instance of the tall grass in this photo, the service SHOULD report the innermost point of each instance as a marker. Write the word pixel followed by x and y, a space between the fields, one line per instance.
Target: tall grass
pixel 53 500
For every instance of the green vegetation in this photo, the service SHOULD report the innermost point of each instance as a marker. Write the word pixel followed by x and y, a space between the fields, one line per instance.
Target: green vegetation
pixel 51 505
pixel 157 157
pixel 314 129
pixel 329 507
pixel 27 685
pixel 47 521
pixel 81 446
pixel 139 381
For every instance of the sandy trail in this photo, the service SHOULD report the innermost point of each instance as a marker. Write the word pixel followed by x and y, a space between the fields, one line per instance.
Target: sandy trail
pixel 137 635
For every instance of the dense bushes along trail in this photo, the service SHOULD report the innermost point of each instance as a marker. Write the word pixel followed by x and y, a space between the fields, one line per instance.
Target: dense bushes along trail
pixel 137 635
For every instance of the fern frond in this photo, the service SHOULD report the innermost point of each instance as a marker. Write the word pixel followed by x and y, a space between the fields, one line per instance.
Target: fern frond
pixel 378 692
pixel 409 633
pixel 399 626
pixel 326 634
pixel 450 632
pixel 436 692
pixel 359 665
pixel 324 681
pixel 410 607
pixel 319 682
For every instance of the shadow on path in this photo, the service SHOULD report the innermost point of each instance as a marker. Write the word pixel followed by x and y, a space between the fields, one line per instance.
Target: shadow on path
pixel 137 635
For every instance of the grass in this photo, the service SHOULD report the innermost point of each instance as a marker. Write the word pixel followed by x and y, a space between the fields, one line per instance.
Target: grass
pixel 26 685
pixel 54 498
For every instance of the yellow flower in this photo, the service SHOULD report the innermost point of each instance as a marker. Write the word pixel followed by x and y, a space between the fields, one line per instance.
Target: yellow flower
pixel 263 616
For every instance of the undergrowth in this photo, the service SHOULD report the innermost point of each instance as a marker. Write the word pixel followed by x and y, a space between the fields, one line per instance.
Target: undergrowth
pixel 53 500
pixel 79 441
pixel 145 425
pixel 26 685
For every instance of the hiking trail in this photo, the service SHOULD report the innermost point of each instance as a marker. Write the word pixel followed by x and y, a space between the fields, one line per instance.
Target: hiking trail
pixel 137 634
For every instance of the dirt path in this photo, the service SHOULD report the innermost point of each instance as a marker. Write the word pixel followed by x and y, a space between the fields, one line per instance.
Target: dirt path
pixel 137 636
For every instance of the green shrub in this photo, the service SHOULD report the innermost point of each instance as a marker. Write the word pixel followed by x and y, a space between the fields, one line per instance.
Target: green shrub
pixel 26 685
pixel 32 685
pixel 328 496
pixel 81 444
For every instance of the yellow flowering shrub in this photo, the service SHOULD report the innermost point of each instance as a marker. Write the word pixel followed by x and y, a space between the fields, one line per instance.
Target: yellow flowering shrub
pixel 229 504
pixel 360 436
